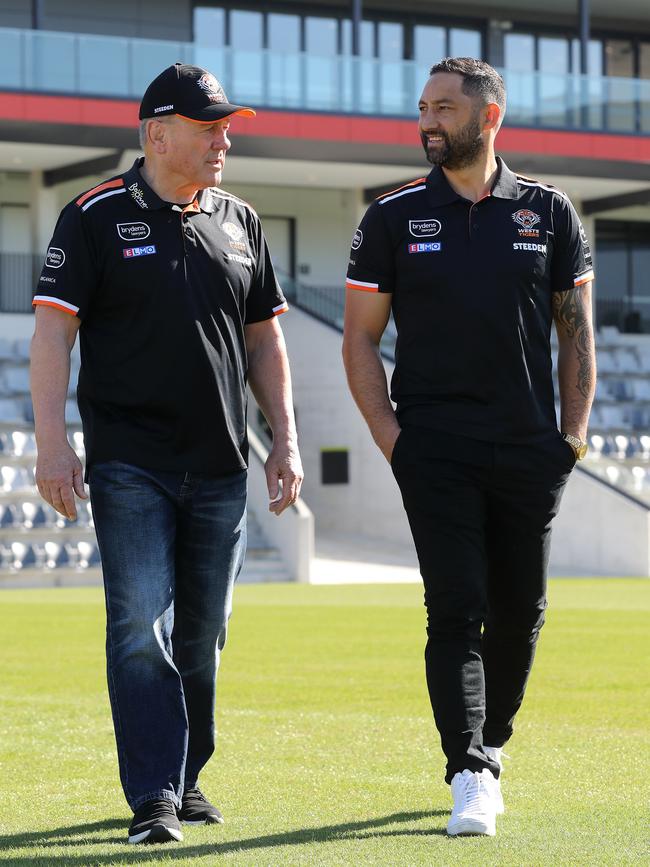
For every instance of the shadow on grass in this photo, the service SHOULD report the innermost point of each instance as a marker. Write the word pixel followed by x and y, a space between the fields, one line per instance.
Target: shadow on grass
pixel 93 834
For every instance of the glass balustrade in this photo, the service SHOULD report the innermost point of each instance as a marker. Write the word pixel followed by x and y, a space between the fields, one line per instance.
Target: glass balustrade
pixel 109 66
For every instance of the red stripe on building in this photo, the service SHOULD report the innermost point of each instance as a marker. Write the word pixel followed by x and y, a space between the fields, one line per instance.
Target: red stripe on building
pixel 77 111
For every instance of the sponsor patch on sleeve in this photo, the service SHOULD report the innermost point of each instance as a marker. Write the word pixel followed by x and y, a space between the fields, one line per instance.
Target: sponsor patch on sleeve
pixel 54 258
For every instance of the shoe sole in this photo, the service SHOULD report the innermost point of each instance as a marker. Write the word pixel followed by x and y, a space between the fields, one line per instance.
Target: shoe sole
pixel 470 827
pixel 212 820
pixel 157 834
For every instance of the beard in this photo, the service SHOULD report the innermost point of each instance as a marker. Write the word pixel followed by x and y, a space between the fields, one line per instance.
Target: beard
pixel 459 150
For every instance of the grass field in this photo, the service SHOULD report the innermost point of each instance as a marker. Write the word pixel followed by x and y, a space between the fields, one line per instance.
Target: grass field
pixel 327 752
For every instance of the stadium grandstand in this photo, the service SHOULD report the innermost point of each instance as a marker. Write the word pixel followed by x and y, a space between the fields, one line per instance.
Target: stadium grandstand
pixel 335 84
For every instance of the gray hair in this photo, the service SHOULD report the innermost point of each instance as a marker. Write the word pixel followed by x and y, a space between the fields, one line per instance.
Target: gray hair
pixel 142 129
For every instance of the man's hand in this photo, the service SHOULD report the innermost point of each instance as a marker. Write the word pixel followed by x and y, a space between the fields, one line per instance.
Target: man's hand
pixel 386 440
pixel 283 476
pixel 59 476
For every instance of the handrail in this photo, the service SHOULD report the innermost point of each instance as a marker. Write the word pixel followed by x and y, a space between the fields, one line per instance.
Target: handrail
pixel 98 65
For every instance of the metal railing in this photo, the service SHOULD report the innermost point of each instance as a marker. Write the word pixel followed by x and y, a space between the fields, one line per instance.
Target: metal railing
pixel 77 63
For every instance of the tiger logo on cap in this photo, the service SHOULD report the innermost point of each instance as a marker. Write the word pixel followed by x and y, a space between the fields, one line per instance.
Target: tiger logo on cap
pixel 211 87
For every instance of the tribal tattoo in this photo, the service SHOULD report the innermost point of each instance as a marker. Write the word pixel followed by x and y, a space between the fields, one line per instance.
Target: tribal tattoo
pixel 573 315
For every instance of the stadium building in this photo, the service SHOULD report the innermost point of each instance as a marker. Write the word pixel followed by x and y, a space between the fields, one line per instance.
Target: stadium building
pixel 336 85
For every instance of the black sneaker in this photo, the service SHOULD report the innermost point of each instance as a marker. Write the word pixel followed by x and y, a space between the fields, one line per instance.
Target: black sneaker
pixel 155 822
pixel 197 810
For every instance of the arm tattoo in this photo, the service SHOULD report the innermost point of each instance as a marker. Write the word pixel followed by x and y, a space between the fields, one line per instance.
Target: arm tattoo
pixel 570 314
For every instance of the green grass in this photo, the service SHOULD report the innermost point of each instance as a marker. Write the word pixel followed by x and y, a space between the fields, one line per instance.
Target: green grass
pixel 327 753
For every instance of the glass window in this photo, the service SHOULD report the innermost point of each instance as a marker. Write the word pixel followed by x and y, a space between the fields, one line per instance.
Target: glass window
pixel 621 95
pixel 428 45
pixel 554 96
pixel 246 30
pixel 209 26
pixel 321 36
pixel 367 47
pixel 246 40
pixel 644 96
pixel 594 57
pixel 284 32
pixel 588 92
pixel 464 43
pixel 391 41
pixel 644 60
pixel 519 52
pixel 623 256
pixel 284 61
pixel 619 58
pixel 553 55
pixel 519 60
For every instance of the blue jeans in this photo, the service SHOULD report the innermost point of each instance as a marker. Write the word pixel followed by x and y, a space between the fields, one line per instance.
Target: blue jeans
pixel 172 545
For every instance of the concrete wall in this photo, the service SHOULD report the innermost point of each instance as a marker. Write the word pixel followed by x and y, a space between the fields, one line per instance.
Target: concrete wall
pixel 325 223
pixel 327 417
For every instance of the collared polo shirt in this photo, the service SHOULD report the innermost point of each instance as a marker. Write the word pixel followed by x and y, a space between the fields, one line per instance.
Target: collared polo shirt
pixel 164 293
pixel 472 287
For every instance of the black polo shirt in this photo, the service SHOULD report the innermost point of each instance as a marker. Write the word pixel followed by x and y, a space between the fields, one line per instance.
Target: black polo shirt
pixel 472 287
pixel 163 293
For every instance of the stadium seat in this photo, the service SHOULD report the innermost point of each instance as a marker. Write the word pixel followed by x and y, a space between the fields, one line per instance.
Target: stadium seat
pixel 641 389
pixel 22 348
pixel 15 479
pixel 88 555
pixel 6 349
pixel 627 361
pixel 11 412
pixel 23 556
pixel 72 412
pixel 606 361
pixel 33 515
pixel 15 380
pixel 22 443
pixel 9 515
pixel 56 555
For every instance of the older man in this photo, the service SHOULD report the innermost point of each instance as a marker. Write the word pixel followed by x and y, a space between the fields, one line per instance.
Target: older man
pixel 170 284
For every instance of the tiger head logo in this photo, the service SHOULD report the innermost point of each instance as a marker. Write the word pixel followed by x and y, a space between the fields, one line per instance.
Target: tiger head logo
pixel 526 218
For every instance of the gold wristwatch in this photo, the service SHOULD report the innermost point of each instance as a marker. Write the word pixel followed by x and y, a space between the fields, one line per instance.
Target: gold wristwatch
pixel 578 445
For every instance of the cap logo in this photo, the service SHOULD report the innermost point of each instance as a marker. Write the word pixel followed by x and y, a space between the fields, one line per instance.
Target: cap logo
pixel 211 87
pixel 163 108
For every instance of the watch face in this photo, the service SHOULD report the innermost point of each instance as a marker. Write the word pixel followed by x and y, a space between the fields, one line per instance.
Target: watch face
pixel 581 451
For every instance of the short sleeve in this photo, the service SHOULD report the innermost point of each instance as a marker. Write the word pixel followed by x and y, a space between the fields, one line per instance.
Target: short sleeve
pixel 371 267
pixel 265 298
pixel 572 264
pixel 69 272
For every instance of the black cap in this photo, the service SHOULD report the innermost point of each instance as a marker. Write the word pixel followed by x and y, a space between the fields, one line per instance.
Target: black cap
pixel 190 92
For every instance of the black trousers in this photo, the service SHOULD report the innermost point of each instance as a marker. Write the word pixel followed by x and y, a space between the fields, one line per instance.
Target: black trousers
pixel 480 515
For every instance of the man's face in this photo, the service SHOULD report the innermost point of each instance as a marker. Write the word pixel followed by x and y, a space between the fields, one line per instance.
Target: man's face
pixel 196 152
pixel 451 123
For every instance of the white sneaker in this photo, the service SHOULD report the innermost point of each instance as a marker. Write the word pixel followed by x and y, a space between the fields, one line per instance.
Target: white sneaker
pixel 474 804
pixel 496 754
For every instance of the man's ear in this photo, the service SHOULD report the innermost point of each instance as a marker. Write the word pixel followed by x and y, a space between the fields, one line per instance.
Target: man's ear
pixel 158 136
pixel 492 117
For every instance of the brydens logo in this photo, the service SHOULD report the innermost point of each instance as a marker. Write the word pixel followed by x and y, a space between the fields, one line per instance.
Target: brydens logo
pixel 430 247
pixel 133 231
pixel 424 228
pixel 55 257
pixel 132 252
